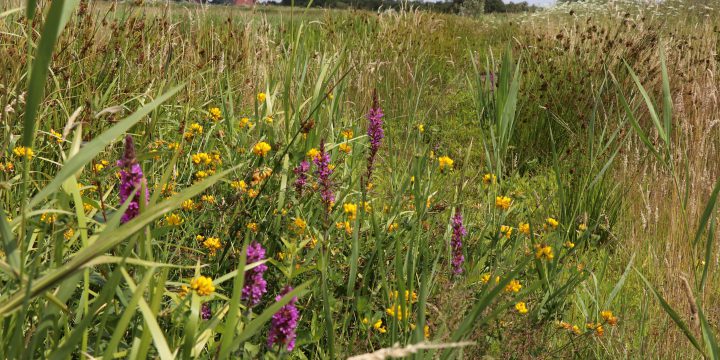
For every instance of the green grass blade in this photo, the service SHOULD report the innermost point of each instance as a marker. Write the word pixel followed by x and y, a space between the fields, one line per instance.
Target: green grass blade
pixel 709 207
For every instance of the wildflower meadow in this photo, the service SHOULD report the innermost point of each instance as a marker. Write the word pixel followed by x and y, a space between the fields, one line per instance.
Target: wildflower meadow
pixel 187 180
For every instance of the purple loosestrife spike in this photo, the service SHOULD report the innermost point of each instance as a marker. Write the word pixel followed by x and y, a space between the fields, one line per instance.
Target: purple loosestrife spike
pixel 255 285
pixel 301 173
pixel 375 133
pixel 131 178
pixel 323 172
pixel 205 312
pixel 456 243
pixel 284 323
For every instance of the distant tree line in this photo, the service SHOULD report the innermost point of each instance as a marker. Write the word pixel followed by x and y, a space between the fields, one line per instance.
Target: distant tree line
pixel 468 7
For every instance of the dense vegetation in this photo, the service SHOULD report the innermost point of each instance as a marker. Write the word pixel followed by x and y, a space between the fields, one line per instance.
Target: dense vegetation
pixel 216 182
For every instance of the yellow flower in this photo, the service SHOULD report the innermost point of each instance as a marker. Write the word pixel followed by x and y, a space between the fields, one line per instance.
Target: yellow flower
pixel 7 167
pixel 69 233
pixel 202 285
pixel 57 136
pixel 367 207
pixel 544 251
pixel 344 225
pixel 569 244
pixel 200 238
pixel 21 151
pixel 432 154
pixel 524 228
pixel 48 218
pixel 599 331
pixel 212 244
pixel 445 162
pixel 378 325
pixel 365 321
pixel 506 231
pixel 551 224
pixel 396 311
pixel 245 122
pixel 202 159
pixel 173 146
pixel 421 128
pixel 261 97
pixel 393 227
pixel 201 175
pixel 607 315
pixel 215 114
pixel 87 207
pixel 347 134
pixel 239 185
pixel 210 199
pixel 576 330
pixel 344 147
pixel 502 202
pixel 485 278
pixel 253 227
pixel 426 332
pixel 489 179
pixel 252 193
pixel 299 225
pixel 350 210
pixel 521 307
pixel 173 219
pixel 183 291
pixel 513 286
pixel 193 130
pixel 269 119
pixel 313 153
pixel 261 149
pixel 188 205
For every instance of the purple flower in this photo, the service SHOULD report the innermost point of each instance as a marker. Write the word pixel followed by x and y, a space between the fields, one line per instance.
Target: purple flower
pixel 131 178
pixel 205 312
pixel 255 286
pixel 456 242
pixel 284 323
pixel 375 133
pixel 301 173
pixel 323 172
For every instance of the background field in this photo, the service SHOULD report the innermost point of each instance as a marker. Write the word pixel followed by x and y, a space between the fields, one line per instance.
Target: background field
pixel 574 152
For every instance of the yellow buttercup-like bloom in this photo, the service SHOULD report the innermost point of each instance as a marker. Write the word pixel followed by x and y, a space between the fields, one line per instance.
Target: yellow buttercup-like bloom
pixel 503 202
pixel 544 252
pixel 521 307
pixel 569 244
pixel 245 123
pixel 347 133
pixel 513 286
pixel 202 285
pixel 202 159
pixel 350 210
pixel 485 278
pixel 209 199
pixel 421 128
pixel 57 136
pixel 607 315
pixel 215 114
pixel 188 205
pixel 313 153
pixel 489 179
pixel 378 325
pixel 239 185
pixel 299 225
pixel 524 228
pixel 173 220
pixel 26 152
pixel 445 162
pixel 506 231
pixel 212 244
pixel 344 147
pixel 261 149
pixel 261 97
pixel 551 224
pixel 393 227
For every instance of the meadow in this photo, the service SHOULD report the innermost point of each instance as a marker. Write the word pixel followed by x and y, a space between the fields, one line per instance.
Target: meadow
pixel 189 181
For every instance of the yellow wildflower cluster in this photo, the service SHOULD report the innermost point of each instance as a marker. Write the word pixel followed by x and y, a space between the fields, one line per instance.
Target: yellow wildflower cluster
pixel 215 114
pixel 378 325
pixel 489 179
pixel 239 185
pixel 253 227
pixel 298 225
pixel 261 97
pixel 513 286
pixel 597 327
pixel 23 152
pixel 445 162
pixel 245 123
pixel 193 130
pixel 261 149
pixel 506 231
pixel 609 318
pixel 543 251
pixel 524 228
pixel 347 134
pixel 569 327
pixel 203 285
pixel 48 218
pixel 173 219
pixel 340 225
pixel 7 167
pixel 56 136
pixel 551 224
pixel 521 307
pixel 100 165
pixel 503 202
pixel 350 210
pixel 69 233
pixel 344 147
pixel 188 205
pixel 393 227
pixel 213 244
